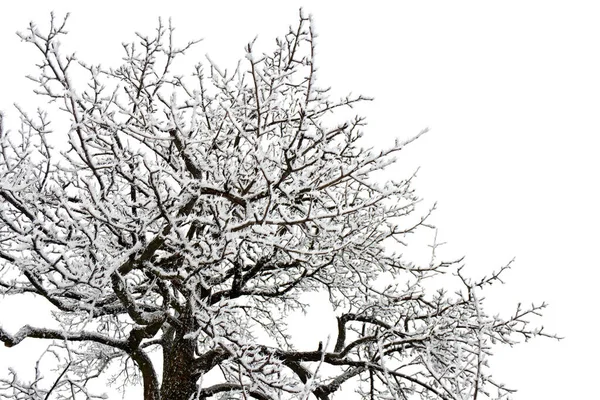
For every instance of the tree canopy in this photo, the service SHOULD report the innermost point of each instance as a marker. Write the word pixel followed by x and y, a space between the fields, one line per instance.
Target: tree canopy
pixel 179 220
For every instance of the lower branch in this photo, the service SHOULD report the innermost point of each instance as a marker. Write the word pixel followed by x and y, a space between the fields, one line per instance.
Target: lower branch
pixel 42 333
pixel 151 386
pixel 228 387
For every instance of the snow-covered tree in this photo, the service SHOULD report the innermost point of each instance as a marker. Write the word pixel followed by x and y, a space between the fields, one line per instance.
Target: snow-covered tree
pixel 179 221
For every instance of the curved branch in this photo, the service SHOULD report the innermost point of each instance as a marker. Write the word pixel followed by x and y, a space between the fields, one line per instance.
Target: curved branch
pixel 228 387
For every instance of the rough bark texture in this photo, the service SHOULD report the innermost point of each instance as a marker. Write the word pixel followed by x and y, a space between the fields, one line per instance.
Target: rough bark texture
pixel 179 383
pixel 179 378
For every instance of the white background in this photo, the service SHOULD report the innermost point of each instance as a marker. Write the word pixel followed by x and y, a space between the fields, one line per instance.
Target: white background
pixel 511 92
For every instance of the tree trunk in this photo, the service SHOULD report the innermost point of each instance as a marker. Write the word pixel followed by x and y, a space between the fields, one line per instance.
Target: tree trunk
pixel 178 382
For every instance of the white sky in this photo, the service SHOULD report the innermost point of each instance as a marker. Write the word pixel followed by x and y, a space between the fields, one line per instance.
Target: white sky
pixel 511 92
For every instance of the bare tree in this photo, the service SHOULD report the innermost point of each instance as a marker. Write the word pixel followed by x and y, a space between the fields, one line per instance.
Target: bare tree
pixel 179 220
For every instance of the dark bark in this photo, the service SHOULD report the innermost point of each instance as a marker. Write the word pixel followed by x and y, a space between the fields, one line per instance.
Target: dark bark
pixel 151 389
pixel 179 380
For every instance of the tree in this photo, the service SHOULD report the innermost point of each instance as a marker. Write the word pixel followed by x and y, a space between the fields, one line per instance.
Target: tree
pixel 180 219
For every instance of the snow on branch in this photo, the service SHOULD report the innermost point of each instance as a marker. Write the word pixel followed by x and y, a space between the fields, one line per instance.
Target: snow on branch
pixel 189 215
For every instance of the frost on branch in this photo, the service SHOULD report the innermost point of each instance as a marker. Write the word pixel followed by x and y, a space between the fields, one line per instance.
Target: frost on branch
pixel 182 218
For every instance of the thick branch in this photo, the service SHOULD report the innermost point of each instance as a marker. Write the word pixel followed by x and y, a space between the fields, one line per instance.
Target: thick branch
pixel 42 333
pixel 229 387
pixel 140 317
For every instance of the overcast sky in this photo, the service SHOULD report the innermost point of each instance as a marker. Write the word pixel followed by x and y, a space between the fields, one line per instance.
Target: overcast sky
pixel 511 92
